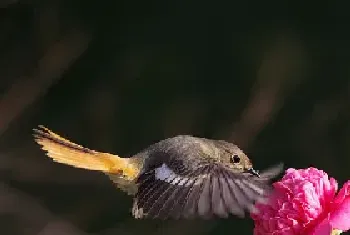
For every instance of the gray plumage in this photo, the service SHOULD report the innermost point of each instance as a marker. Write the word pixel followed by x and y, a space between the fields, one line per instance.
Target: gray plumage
pixel 190 177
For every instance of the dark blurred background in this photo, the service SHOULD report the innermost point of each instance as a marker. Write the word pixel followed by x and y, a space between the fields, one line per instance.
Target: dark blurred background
pixel 118 75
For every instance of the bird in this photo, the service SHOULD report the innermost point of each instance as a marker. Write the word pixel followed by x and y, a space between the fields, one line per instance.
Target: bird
pixel 181 177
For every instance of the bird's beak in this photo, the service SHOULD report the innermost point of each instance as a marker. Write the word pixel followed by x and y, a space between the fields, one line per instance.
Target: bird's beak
pixel 253 172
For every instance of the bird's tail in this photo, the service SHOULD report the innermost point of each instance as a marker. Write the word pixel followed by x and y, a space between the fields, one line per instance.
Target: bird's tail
pixel 63 151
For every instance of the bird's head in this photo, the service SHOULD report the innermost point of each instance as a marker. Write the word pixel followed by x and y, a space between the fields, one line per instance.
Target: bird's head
pixel 234 158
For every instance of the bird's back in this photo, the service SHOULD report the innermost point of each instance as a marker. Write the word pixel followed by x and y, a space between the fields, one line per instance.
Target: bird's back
pixel 185 148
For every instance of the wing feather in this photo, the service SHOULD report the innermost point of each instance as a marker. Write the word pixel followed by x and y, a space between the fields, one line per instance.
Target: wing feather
pixel 167 207
pixel 218 204
pixel 164 205
pixel 191 208
pixel 230 199
pixel 173 206
pixel 187 198
pixel 204 201
pixel 210 190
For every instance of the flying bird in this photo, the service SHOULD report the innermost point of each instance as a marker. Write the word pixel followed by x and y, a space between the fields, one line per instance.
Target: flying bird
pixel 182 177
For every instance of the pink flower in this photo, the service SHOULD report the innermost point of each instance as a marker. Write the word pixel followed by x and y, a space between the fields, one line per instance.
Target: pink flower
pixel 304 202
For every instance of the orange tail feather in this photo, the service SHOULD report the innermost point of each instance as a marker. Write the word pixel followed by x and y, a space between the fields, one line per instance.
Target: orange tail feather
pixel 63 151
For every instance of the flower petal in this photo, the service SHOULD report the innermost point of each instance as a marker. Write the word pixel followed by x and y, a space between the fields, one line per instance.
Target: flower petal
pixel 299 201
pixel 340 217
pixel 344 192
pixel 324 228
pixel 340 214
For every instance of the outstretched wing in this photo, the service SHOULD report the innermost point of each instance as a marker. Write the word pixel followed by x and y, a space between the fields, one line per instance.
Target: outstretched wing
pixel 173 190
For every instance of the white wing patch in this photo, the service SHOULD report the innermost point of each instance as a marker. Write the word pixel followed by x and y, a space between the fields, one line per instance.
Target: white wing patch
pixel 166 174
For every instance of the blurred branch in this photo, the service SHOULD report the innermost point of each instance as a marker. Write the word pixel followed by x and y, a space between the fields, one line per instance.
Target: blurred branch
pixel 47 24
pixel 312 134
pixel 27 90
pixel 278 75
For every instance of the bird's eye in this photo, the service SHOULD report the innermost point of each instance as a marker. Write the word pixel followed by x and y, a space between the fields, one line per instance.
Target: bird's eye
pixel 235 158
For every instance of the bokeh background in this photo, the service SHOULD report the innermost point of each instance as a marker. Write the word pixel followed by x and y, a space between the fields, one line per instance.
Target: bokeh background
pixel 118 75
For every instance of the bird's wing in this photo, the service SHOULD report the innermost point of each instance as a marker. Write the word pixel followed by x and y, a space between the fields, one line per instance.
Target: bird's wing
pixel 209 190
